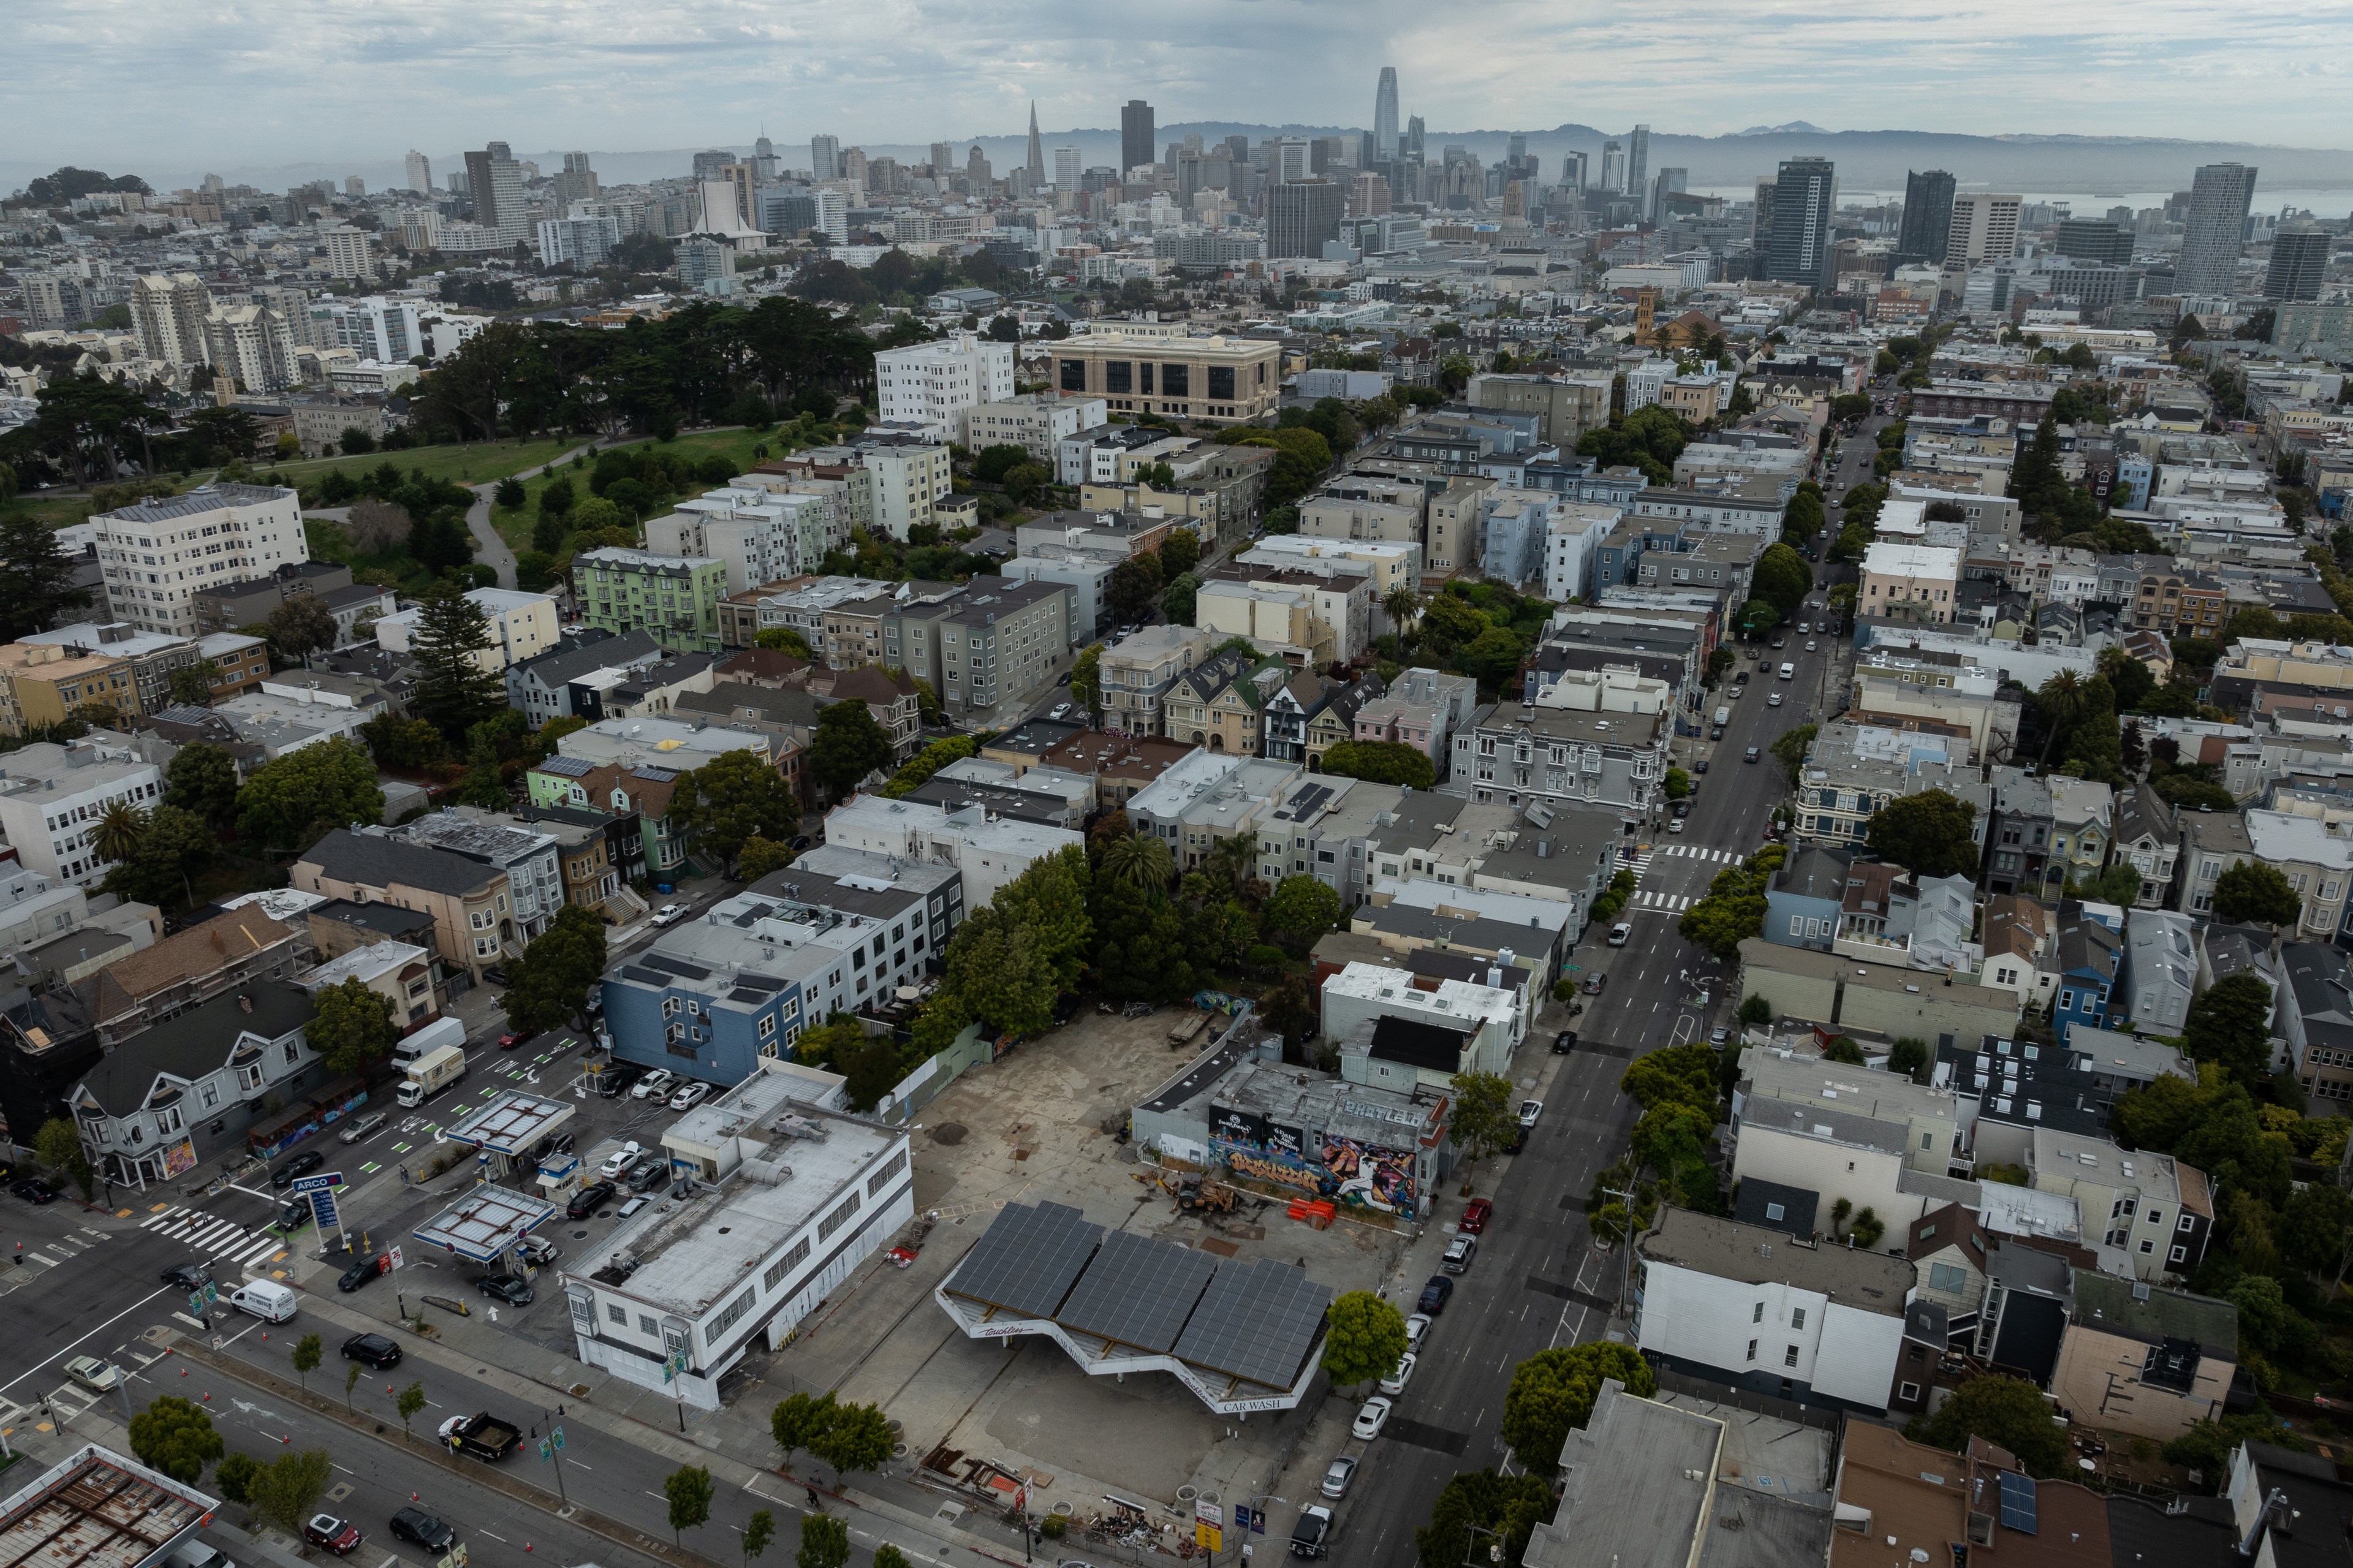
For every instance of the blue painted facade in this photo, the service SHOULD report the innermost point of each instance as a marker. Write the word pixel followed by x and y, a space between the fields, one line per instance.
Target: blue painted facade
pixel 698 1027
pixel 2089 963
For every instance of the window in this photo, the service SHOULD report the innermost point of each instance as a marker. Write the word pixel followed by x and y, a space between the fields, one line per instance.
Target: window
pixel 1752 1349
pixel 881 1178
pixel 617 1312
pixel 1119 375
pixel 728 1319
pixel 647 1325
pixel 1944 1276
pixel 1796 1317
pixel 783 1266
pixel 1757 1316
pixel 1790 1359
pixel 1074 376
pixel 1907 1392
pixel 2178 1254
pixel 838 1218
pixel 1176 381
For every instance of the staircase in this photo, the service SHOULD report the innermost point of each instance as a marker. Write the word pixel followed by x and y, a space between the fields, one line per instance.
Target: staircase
pixel 624 904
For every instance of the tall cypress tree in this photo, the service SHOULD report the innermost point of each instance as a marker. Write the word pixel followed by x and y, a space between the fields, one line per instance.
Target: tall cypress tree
pixel 453 692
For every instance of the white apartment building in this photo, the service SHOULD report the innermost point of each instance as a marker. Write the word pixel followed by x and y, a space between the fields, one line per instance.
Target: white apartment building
pixel 371 326
pixel 1037 424
pixel 909 477
pixel 347 252
pixel 252 344
pixel 989 851
pixel 757 532
pixel 931 385
pixel 1489 1020
pixel 1985 228
pixel 1572 547
pixel 583 241
pixel 169 308
pixel 522 626
pixel 158 553
pixel 52 797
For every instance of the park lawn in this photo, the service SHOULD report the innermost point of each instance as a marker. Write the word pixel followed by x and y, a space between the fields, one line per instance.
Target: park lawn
pixel 514 525
pixel 61 511
pixel 475 463
pixel 327 543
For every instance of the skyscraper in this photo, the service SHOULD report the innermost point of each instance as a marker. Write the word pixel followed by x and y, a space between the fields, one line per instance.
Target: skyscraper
pixel 2094 240
pixel 1985 228
pixel 1385 116
pixel 1572 172
pixel 2299 258
pixel 825 157
pixel 1301 215
pixel 1413 134
pixel 1135 149
pixel 1803 199
pixel 764 160
pixel 494 180
pixel 2215 230
pixel 420 171
pixel 1928 219
pixel 1066 169
pixel 1613 168
pixel 708 165
pixel 1638 165
pixel 943 160
pixel 1667 183
pixel 1037 150
pixel 576 183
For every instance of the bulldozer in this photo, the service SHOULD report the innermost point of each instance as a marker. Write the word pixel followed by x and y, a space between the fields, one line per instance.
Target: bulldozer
pixel 1196 1195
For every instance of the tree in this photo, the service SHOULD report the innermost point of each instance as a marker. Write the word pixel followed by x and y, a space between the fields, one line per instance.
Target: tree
pixel 919 768
pixel 783 639
pixel 688 1487
pixel 234 1479
pixel 58 1146
pixel 1926 834
pixel 308 1351
pixel 2252 892
pixel 176 1437
pixel 37 578
pixel 797 1422
pixel 1364 1338
pixel 758 1531
pixel 120 829
pixel 1782 576
pixel 2058 702
pixel 1678 783
pixel 510 493
pixel 759 856
pixel 1181 550
pixel 1178 601
pixel 192 684
pixel 846 746
pixel 1553 1390
pixel 1790 746
pixel 353 1026
pixel 351 1381
pixel 174 849
pixel 859 1437
pixel 825 1543
pixel 2119 885
pixel 330 784
pixel 887 1556
pixel 2230 1025
pixel 735 798
pixel 1402 605
pixel 550 982
pixel 454 690
pixel 2007 1411
pixel 1134 586
pixel 1908 1057
pixel 301 625
pixel 411 1400
pixel 1086 678
pixel 1504 1508
pixel 287 1489
pixel 1382 762
pixel 1484 1119
pixel 1732 910
pixel 1301 910
pixel 1138 862
pixel 202 779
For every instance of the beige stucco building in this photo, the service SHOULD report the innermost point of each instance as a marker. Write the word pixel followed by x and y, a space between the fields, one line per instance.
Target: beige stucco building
pixel 1222 379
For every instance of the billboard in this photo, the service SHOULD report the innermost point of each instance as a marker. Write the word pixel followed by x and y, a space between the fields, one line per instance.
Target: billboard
pixel 1322 1165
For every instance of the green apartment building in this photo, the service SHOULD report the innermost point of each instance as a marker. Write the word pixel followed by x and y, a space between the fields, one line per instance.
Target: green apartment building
pixel 674 599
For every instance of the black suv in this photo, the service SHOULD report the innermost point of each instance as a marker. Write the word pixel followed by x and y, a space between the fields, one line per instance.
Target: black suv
pixel 1434 1295
pixel 299 1165
pixel 586 1200
pixel 361 1271
pixel 1564 1042
pixel 188 1276
pixel 374 1349
pixel 415 1524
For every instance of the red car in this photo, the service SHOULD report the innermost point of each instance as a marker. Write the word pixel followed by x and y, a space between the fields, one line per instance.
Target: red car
pixel 337 1535
pixel 509 1042
pixel 1475 1215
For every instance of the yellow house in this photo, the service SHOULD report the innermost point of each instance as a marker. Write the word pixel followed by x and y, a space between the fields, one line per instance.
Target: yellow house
pixel 41 683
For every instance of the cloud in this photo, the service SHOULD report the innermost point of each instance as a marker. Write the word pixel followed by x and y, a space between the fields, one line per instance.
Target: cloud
pixel 239 82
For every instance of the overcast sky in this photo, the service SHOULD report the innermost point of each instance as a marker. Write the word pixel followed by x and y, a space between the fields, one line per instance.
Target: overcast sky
pixel 121 84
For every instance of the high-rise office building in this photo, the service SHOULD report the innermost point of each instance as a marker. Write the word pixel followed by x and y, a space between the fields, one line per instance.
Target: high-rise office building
pixel 2095 239
pixel 2214 231
pixel 1927 227
pixel 1985 228
pixel 1301 215
pixel 1637 164
pixel 708 165
pixel 1613 168
pixel 943 160
pixel 977 171
pixel 825 158
pixel 1037 164
pixel 1066 169
pixel 2299 258
pixel 1572 172
pixel 420 171
pixel 764 160
pixel 1804 196
pixel 1135 149
pixel 494 180
pixel 1385 116
pixel 577 182
pixel 1666 182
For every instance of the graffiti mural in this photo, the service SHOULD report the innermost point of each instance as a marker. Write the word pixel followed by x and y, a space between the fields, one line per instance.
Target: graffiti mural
pixel 1344 1170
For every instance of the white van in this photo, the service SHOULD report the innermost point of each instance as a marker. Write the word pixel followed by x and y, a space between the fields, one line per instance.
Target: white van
pixel 1788 672
pixel 265 1299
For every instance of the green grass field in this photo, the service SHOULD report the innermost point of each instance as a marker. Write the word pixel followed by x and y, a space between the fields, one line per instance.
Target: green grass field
pixel 470 465
pixel 515 526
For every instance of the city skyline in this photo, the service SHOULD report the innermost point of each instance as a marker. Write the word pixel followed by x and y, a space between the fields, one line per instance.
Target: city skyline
pixel 601 74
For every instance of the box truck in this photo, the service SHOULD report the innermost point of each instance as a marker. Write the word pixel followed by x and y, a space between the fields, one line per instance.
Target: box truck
pixel 431 1073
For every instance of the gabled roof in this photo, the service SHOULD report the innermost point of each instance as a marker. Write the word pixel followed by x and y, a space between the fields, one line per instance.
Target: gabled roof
pixel 194 1043
pixel 201 950
pixel 369 861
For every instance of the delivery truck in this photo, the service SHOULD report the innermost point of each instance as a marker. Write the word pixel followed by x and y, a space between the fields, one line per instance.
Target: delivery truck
pixel 431 1073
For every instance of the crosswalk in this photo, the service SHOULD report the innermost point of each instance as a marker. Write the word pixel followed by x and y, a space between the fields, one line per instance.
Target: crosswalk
pixel 225 1239
pixel 1665 903
pixel 1700 852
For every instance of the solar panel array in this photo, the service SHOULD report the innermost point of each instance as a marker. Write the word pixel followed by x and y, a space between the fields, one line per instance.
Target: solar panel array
pixel 569 767
pixel 1138 1291
pixel 2017 1502
pixel 1028 1259
pixel 676 967
pixel 1257 1321
pixel 643 976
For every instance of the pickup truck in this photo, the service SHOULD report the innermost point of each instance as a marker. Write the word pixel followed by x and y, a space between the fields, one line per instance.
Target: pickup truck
pixel 483 1435
pixel 1312 1536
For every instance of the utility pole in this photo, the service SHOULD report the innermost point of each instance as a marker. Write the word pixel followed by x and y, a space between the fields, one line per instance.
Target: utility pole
pixel 1626 1264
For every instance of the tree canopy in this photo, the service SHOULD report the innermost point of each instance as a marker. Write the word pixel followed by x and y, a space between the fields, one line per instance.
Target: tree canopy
pixel 1382 762
pixel 289 802
pixel 1553 1392
pixel 736 797
pixel 1364 1339
pixel 1926 834
pixel 2252 892
pixel 2007 1411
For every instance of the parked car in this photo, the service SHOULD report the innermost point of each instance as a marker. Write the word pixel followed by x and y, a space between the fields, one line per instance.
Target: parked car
pixel 1337 1477
pixel 1475 1215
pixel 95 1373
pixel 1311 1537
pixel 621 1159
pixel 415 1524
pixel 337 1535
pixel 670 914
pixel 365 1125
pixel 1417 1329
pixel 1719 1035
pixel 1564 1042
pixel 1370 1418
pixel 650 1174
pixel 1594 983
pixel 588 1200
pixel 1395 1381
pixel 1459 1254
pixel 656 1083
pixel 301 1164
pixel 1677 825
pixel 1700 766
pixel 1434 1295
pixel 360 1273
pixel 1530 1112
pixel 496 974
pixel 374 1350
pixel 1618 936
pixel 689 1097
pixel 538 1249
pixel 505 1287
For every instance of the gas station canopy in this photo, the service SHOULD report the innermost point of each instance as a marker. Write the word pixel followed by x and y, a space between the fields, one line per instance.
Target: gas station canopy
pixel 485 1223
pixel 511 1125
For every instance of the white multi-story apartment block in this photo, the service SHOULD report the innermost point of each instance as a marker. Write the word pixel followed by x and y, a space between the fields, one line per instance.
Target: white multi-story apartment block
pixel 758 533
pixel 252 343
pixel 929 385
pixel 909 478
pixel 347 252
pixel 1037 423
pixel 522 627
pixel 583 241
pixel 52 797
pixel 158 553
pixel 373 326
pixel 169 308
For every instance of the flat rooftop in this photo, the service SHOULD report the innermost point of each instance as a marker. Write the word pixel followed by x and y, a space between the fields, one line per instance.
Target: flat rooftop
pixel 1754 1255
pixel 510 1123
pixel 95 1508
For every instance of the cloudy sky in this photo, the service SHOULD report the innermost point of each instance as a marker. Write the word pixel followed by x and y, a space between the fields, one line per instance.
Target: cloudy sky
pixel 123 84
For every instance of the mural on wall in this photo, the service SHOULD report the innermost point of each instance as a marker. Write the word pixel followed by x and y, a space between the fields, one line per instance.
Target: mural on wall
pixel 1325 1165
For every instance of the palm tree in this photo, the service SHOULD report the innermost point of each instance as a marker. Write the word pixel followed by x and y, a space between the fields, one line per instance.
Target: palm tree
pixel 1140 862
pixel 1403 607
pixel 2058 704
pixel 119 832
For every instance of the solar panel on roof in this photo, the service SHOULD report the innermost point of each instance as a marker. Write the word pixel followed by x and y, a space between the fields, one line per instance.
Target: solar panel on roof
pixel 644 976
pixel 569 767
pixel 1028 1260
pixel 1257 1321
pixel 765 985
pixel 2017 1502
pixel 652 774
pixel 1138 1291
pixel 677 967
